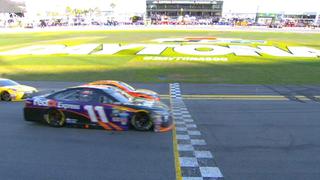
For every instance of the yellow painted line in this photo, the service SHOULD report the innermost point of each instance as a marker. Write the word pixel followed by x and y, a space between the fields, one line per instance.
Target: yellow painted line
pixel 302 98
pixel 176 155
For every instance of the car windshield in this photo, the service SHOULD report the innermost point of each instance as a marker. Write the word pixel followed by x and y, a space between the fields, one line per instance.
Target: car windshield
pixel 7 82
pixel 127 86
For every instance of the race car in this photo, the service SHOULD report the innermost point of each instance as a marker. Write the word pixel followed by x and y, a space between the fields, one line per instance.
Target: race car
pixel 13 91
pixel 98 107
pixel 139 93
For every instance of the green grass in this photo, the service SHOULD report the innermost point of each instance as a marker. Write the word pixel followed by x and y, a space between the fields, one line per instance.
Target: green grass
pixel 129 67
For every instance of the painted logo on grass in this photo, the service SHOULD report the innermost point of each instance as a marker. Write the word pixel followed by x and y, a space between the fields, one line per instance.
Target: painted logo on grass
pixel 166 49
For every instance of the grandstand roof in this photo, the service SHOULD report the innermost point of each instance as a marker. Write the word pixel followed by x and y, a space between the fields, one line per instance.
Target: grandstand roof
pixel 9 6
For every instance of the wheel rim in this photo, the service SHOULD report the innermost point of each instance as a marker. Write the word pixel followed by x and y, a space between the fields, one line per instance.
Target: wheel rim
pixel 6 96
pixel 56 119
pixel 142 122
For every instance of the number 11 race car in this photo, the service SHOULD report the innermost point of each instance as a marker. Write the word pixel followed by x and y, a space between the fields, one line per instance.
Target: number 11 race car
pixel 99 107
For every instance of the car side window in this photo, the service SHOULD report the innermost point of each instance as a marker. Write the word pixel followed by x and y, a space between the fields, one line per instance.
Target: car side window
pixel 86 95
pixel 67 95
pixel 105 100
pixel 81 95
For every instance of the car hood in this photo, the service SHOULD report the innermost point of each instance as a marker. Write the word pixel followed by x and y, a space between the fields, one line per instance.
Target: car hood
pixel 22 88
pixel 146 91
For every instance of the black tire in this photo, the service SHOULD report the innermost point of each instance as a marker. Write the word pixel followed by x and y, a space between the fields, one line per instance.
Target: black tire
pixel 141 122
pixel 56 118
pixel 5 96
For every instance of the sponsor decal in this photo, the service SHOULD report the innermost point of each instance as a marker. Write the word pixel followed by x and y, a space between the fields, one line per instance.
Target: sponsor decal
pixel 120 116
pixel 68 106
pixel 71 121
pixel 41 102
pixel 51 103
pixel 197 49
pixel 123 121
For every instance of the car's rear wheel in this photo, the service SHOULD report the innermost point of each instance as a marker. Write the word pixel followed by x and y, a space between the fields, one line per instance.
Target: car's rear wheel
pixel 141 122
pixel 56 118
pixel 5 96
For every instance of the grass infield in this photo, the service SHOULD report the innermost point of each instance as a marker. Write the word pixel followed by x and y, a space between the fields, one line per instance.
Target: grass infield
pixel 129 67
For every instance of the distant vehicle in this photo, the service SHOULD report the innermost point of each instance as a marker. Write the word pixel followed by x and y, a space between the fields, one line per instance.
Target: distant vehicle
pixel 139 93
pixel 98 107
pixel 13 91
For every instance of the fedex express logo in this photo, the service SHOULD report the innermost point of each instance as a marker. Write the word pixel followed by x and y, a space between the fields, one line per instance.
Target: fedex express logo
pixel 159 49
pixel 52 103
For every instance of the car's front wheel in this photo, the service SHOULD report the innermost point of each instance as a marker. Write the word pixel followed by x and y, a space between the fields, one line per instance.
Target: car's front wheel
pixel 141 122
pixel 56 118
pixel 5 96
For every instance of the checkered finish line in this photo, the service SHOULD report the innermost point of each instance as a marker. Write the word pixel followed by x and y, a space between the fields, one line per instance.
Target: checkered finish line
pixel 196 161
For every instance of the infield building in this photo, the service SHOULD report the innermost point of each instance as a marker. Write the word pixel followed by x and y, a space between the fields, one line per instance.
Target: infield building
pixel 176 8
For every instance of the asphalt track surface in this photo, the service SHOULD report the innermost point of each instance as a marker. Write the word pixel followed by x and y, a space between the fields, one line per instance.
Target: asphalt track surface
pixel 250 139
pixel 33 151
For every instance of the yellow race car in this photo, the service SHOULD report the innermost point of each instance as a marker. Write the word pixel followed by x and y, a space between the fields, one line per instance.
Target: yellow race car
pixel 13 91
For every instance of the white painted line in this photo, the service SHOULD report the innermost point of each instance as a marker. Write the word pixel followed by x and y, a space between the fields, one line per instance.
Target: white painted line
pixel 188 162
pixel 191 126
pixel 180 122
pixel 188 120
pixel 183 137
pixel 199 142
pixel 185 147
pixel 176 114
pixel 203 154
pixel 192 178
pixel 213 172
pixel 181 128
pixel 187 130
pixel 194 133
